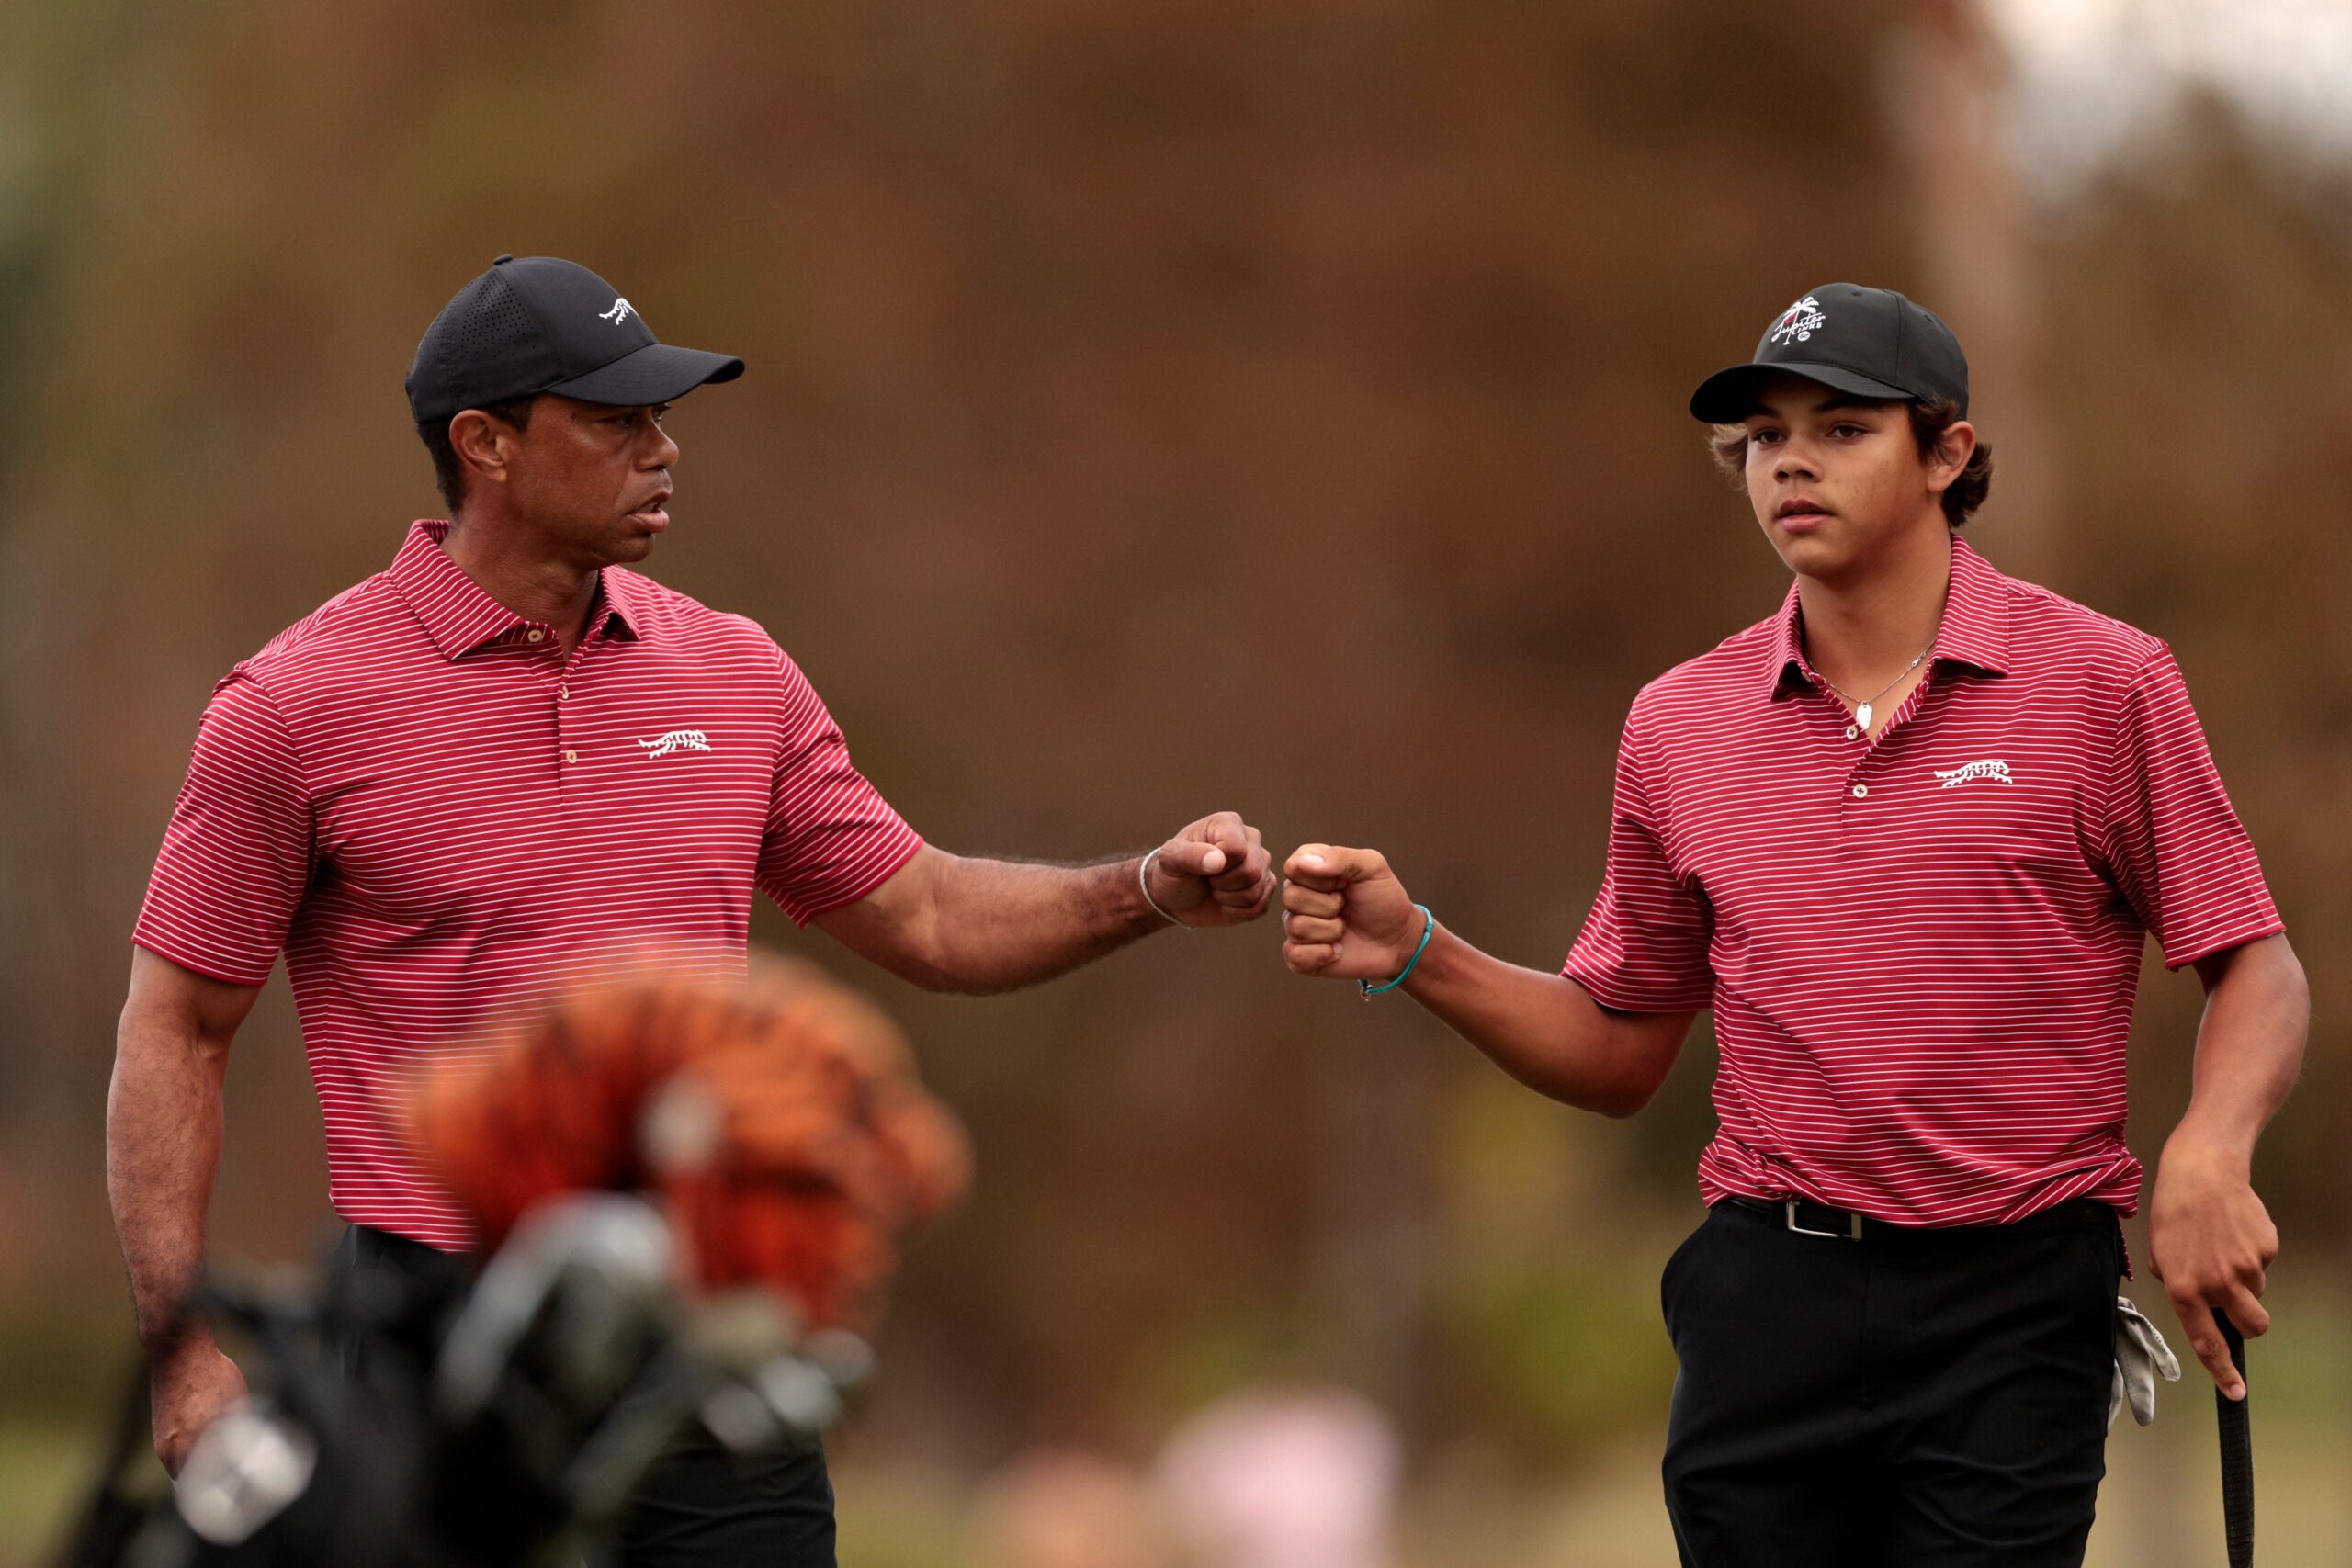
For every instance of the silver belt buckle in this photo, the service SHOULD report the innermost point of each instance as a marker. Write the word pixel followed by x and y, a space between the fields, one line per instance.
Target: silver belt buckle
pixel 1789 1206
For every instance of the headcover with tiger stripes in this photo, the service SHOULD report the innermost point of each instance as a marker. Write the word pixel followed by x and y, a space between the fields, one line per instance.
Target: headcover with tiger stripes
pixel 780 1123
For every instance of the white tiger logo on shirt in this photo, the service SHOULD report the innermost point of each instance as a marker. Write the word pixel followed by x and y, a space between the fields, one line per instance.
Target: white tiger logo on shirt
pixel 676 740
pixel 1990 768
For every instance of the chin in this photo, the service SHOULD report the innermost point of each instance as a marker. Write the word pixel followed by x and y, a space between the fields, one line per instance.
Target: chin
pixel 1811 555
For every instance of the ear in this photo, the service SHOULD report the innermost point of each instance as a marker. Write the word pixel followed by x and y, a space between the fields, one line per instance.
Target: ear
pixel 1953 448
pixel 484 444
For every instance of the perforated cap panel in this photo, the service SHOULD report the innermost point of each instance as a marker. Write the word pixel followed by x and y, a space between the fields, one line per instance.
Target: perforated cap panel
pixel 490 322
pixel 484 347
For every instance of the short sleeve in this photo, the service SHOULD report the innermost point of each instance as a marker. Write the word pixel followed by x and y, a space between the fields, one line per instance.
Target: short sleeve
pixel 1644 947
pixel 2173 845
pixel 236 855
pixel 831 839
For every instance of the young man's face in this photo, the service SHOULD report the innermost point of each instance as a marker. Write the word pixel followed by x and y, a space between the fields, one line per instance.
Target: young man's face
pixel 1838 481
pixel 591 479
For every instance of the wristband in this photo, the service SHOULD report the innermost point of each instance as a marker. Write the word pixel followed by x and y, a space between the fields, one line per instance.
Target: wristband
pixel 1428 929
pixel 1143 880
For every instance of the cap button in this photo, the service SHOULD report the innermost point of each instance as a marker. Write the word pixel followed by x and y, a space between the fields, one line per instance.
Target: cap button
pixel 502 261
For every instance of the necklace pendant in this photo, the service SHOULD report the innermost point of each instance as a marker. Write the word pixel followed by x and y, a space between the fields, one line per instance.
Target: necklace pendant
pixel 1862 717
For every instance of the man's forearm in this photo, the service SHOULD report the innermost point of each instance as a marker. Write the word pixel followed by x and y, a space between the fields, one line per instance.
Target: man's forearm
pixel 2209 1239
pixel 952 924
pixel 1001 925
pixel 163 1133
pixel 1545 1030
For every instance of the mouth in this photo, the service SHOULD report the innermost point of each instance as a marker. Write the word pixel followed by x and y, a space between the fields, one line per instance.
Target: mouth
pixel 1800 512
pixel 654 514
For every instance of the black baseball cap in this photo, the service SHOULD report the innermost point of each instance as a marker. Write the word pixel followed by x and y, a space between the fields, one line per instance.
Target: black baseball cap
pixel 1871 342
pixel 543 324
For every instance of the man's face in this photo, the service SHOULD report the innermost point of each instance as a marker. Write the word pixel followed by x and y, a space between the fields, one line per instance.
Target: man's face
pixel 592 480
pixel 1836 480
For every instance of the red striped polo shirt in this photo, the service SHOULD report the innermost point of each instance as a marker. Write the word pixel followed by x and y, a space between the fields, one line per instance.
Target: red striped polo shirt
pixel 1921 949
pixel 445 823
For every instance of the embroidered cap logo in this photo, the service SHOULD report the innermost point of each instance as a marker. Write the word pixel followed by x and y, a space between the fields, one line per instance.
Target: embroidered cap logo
pixel 620 312
pixel 1801 320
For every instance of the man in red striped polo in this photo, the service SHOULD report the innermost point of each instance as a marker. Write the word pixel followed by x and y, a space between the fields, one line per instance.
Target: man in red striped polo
pixel 1907 838
pixel 504 768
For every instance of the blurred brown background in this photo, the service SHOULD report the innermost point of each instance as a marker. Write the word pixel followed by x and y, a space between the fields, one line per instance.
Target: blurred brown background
pixel 1153 409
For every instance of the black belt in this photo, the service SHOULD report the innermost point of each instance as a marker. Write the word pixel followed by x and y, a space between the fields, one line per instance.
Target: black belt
pixel 1808 1218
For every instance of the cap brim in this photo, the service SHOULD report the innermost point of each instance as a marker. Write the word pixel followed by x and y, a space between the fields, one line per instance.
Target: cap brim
pixel 1729 396
pixel 658 373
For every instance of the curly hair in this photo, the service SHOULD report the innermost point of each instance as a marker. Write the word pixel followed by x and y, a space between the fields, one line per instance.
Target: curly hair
pixel 1728 443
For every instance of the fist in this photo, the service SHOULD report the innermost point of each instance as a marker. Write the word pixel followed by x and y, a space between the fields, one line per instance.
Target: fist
pixel 190 1388
pixel 1345 916
pixel 1215 872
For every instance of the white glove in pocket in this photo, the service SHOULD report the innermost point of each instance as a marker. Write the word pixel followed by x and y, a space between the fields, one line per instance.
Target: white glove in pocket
pixel 2140 1357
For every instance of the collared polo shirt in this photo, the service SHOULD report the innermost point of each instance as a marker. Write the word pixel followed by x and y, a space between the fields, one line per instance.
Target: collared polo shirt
pixel 1920 949
pixel 445 823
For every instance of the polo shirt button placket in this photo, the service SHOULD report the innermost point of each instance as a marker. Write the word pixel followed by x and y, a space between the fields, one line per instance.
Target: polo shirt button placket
pixel 1853 791
pixel 563 711
pixel 563 732
pixel 567 755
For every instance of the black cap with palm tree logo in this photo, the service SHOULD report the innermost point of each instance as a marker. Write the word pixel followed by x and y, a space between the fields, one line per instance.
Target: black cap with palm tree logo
pixel 1871 342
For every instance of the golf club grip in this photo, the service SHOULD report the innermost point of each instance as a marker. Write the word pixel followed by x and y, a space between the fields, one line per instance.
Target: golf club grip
pixel 2237 1452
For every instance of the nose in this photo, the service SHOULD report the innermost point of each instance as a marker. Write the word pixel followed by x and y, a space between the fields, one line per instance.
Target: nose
pixel 1795 460
pixel 663 450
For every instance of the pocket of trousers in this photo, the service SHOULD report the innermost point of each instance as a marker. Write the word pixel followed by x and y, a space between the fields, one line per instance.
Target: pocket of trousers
pixel 1675 1267
pixel 2105 1244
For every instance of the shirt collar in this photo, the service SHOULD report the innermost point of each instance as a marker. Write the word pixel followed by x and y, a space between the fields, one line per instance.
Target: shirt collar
pixel 1976 614
pixel 459 617
pixel 1975 630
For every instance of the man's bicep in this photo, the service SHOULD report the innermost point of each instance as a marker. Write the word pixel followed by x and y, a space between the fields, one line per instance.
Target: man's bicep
pixel 1659 1038
pixel 1653 1036
pixel 895 924
pixel 2268 954
pixel 1667 1030
pixel 170 996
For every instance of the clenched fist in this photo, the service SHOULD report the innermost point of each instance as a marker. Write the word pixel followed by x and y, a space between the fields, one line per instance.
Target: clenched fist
pixel 190 1385
pixel 1345 916
pixel 1215 872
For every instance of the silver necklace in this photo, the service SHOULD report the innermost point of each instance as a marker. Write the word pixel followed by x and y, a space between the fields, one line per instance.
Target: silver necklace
pixel 1863 709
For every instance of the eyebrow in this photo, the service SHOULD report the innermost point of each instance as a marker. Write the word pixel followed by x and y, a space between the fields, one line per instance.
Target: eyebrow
pixel 1830 404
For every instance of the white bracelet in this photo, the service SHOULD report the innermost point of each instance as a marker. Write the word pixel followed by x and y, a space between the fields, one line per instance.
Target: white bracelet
pixel 1143 880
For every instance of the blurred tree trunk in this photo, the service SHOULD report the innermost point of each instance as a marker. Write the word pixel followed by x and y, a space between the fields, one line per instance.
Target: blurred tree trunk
pixel 1952 85
pixel 69 87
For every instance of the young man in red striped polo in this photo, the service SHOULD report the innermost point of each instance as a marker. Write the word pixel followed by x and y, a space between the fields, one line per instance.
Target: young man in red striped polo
pixel 1907 838
pixel 502 768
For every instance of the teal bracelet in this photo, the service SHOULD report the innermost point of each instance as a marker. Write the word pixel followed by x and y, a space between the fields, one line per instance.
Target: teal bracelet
pixel 1428 930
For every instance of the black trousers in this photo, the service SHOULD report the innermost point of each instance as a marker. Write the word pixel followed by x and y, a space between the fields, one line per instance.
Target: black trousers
pixel 701 1507
pixel 1920 1399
